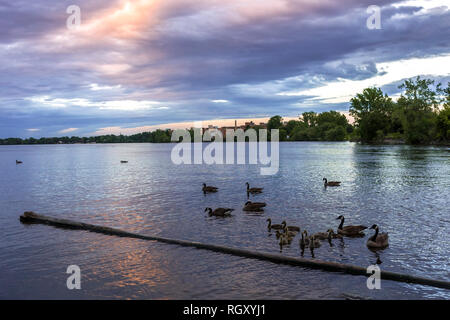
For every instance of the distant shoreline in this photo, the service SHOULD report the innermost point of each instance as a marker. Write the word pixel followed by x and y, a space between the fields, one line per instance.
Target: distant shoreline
pixel 387 142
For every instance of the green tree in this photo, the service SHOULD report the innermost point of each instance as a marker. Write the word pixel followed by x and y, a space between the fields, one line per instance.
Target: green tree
pixel 417 105
pixel 332 117
pixel 336 133
pixel 283 134
pixel 445 95
pixel 443 124
pixel 291 125
pixel 372 111
pixel 309 118
pixel 276 122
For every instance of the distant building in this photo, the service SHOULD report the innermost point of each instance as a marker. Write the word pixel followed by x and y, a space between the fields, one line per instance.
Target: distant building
pixel 246 125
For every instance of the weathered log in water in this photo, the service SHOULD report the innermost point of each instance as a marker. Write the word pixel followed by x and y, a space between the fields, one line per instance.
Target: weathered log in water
pixel 31 217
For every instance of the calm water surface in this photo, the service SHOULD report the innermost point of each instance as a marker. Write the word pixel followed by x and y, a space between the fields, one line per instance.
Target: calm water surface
pixel 405 190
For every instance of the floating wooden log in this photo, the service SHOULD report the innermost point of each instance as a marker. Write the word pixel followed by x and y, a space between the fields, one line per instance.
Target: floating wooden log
pixel 31 217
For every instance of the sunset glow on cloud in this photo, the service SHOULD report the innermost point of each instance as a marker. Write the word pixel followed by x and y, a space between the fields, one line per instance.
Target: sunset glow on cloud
pixel 135 65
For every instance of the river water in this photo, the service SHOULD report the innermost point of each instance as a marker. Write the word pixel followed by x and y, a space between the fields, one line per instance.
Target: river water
pixel 403 189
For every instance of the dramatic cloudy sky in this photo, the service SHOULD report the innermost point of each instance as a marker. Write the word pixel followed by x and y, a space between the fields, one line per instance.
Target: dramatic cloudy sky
pixel 139 64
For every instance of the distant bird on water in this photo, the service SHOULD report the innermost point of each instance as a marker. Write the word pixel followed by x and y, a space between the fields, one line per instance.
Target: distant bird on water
pixel 209 188
pixel 290 228
pixel 18 162
pixel 271 226
pixel 253 190
pixel 327 183
pixel 254 206
pixel 220 212
pixel 123 161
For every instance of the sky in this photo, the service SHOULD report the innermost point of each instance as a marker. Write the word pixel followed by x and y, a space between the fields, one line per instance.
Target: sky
pixel 133 66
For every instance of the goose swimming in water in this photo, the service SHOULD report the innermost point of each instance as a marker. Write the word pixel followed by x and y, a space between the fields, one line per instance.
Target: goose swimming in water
pixel 302 242
pixel 378 240
pixel 290 228
pixel 350 230
pixel 306 238
pixel 321 235
pixel 332 235
pixel 18 162
pixel 327 183
pixel 284 239
pixel 329 234
pixel 253 190
pixel 273 226
pixel 313 242
pixel 220 212
pixel 278 234
pixel 209 188
pixel 289 233
pixel 254 206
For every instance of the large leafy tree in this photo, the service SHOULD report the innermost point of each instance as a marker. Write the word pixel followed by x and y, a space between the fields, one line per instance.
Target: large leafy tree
pixel 417 105
pixel 291 125
pixel 309 118
pixel 443 118
pixel 372 110
pixel 276 122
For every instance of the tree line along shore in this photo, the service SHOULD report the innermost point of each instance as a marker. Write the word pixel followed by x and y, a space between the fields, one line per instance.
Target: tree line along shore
pixel 421 115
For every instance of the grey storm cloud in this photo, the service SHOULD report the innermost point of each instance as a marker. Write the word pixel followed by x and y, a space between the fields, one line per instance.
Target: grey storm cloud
pixel 184 54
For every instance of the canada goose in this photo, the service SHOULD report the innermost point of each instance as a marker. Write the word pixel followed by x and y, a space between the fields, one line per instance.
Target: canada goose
pixel 302 242
pixel 279 234
pixel 209 188
pixel 349 230
pixel 289 233
pixel 321 235
pixel 18 162
pixel 313 242
pixel 219 212
pixel 254 206
pixel 284 240
pixel 306 238
pixel 378 240
pixel 123 161
pixel 312 251
pixel 290 228
pixel 273 226
pixel 332 235
pixel 327 183
pixel 253 190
